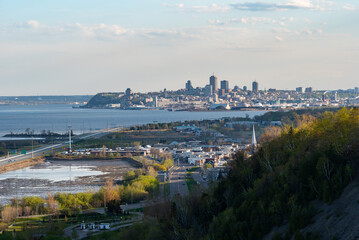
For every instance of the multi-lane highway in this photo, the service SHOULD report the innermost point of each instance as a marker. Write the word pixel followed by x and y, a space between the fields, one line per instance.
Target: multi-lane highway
pixel 47 149
pixel 178 184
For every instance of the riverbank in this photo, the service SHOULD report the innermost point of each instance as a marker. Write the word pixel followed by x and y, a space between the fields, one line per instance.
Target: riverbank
pixel 135 163
pixel 21 164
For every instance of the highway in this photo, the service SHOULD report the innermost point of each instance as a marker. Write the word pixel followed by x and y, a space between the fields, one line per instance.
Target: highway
pixel 47 149
pixel 178 184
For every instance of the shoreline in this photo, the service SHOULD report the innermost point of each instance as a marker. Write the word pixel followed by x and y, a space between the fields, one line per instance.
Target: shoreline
pixel 21 164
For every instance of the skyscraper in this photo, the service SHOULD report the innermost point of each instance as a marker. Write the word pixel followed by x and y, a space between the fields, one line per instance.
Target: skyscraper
pixel 309 90
pixel 128 91
pixel 189 86
pixel 225 85
pixel 299 89
pixel 213 82
pixel 255 86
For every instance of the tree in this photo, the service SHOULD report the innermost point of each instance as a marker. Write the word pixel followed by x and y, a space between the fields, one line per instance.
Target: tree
pixel 130 175
pixel 8 214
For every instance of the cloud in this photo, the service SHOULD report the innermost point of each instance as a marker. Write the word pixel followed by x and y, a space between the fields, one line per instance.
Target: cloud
pixel 267 6
pixel 279 39
pixel 199 9
pixel 252 21
pixel 29 24
pixel 99 29
pixel 349 7
pixel 253 6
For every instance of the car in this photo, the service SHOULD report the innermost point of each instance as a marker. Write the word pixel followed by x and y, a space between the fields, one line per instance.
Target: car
pixel 183 183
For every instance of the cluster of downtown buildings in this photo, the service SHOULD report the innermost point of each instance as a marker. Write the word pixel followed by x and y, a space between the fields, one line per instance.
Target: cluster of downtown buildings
pixel 218 95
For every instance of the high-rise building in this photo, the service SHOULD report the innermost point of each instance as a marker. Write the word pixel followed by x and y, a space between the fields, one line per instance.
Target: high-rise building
pixel 165 93
pixel 244 88
pixel 225 85
pixel 128 91
pixel 189 86
pixel 208 90
pixel 299 89
pixel 255 86
pixel 356 90
pixel 309 90
pixel 213 82
pixel 155 102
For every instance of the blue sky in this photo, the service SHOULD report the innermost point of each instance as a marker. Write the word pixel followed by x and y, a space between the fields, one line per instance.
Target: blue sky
pixel 89 46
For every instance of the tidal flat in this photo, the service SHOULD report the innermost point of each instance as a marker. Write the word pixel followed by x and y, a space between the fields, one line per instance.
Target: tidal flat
pixel 60 176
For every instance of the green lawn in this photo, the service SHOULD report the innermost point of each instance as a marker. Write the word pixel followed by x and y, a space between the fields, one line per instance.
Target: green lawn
pixel 191 183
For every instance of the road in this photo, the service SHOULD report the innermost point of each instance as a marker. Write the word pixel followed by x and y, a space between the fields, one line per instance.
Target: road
pixel 47 149
pixel 114 225
pixel 178 181
pixel 198 178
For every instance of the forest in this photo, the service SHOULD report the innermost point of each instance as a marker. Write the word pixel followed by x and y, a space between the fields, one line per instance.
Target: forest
pixel 313 158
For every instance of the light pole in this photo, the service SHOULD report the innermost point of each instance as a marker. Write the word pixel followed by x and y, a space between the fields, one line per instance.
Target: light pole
pixel 17 201
pixel 69 138
pixel 32 147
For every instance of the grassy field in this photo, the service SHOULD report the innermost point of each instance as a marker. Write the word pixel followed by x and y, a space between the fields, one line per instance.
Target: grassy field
pixel 191 183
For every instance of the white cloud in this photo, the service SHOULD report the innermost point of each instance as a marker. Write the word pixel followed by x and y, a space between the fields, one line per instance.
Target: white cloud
pixel 29 24
pixel 278 38
pixel 349 7
pixel 199 9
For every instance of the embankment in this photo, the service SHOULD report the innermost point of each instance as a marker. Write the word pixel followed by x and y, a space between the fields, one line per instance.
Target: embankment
pixel 132 161
pixel 21 164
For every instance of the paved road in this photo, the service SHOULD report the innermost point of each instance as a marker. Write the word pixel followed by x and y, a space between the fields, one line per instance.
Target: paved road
pixel 178 181
pixel 47 149
pixel 198 178
pixel 114 225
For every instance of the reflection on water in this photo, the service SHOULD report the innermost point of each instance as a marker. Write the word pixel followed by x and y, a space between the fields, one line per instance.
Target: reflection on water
pixel 52 173
pixel 60 176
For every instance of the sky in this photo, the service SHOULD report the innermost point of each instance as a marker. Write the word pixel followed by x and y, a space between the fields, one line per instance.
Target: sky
pixel 68 47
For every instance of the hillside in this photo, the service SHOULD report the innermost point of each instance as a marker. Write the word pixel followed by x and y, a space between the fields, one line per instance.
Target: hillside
pixel 291 188
pixel 280 183
pixel 102 99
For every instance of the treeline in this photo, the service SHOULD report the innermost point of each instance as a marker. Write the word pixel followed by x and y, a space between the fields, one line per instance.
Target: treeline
pixel 275 187
pixel 315 160
pixel 288 117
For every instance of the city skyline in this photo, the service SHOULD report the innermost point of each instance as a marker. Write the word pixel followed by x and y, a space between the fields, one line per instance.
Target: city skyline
pixel 85 47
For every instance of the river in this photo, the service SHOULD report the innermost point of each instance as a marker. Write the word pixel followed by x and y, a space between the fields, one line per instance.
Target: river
pixel 57 117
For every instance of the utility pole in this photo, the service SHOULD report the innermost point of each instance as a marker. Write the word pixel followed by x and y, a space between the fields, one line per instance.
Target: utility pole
pixel 69 138
pixel 17 201
pixel 32 147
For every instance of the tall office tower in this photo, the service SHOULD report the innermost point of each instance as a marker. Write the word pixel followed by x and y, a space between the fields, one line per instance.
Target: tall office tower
pixel 208 90
pixel 165 93
pixel 244 88
pixel 356 90
pixel 299 89
pixel 155 102
pixel 225 85
pixel 255 86
pixel 213 82
pixel 309 90
pixel 128 91
pixel 189 86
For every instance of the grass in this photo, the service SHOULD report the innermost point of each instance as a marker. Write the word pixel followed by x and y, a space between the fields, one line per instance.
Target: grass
pixel 193 169
pixel 191 183
pixel 167 189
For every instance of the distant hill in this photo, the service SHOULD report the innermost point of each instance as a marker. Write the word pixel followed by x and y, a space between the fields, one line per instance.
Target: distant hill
pixel 102 99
